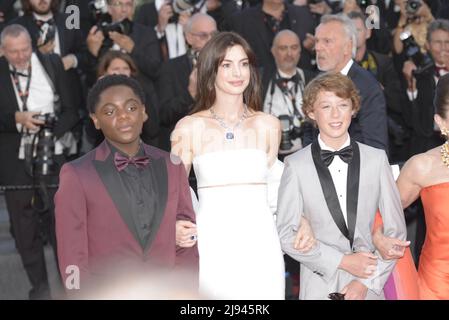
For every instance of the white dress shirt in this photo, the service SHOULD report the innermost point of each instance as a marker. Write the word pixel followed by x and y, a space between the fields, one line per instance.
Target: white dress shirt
pixel 339 173
pixel 278 104
pixel 41 96
pixel 348 66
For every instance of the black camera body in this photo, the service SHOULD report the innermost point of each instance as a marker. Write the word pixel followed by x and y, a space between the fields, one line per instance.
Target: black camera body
pixel 412 50
pixel 43 163
pixel 123 27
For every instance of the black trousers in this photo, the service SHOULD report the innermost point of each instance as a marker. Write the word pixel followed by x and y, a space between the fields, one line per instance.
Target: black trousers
pixel 31 229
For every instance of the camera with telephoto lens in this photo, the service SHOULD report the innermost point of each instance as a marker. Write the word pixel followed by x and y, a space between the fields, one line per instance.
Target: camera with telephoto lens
pixel 179 6
pixel 412 6
pixel 290 131
pixel 43 162
pixel 412 50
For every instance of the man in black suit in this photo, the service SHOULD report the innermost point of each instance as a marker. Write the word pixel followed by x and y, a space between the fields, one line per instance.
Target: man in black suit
pixel 141 43
pixel 382 68
pixel 259 24
pixel 49 34
pixel 177 84
pixel 421 88
pixel 32 84
pixel 335 45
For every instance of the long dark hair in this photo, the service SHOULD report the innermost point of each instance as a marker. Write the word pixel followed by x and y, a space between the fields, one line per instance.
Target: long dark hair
pixel 441 99
pixel 211 56
pixel 27 9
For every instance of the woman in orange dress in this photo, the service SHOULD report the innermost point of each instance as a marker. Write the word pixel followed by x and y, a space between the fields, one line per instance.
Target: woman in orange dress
pixel 427 175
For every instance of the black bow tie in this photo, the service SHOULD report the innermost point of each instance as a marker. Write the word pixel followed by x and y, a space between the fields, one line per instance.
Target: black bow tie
pixel 40 23
pixel 345 155
pixel 440 71
pixel 283 82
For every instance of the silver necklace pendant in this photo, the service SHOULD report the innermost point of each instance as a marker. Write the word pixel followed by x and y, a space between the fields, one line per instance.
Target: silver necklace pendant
pixel 229 135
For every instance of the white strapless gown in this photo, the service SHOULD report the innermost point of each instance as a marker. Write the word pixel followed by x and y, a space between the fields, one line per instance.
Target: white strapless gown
pixel 240 253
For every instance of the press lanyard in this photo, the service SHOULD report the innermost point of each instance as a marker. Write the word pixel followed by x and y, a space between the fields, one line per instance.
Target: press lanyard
pixel 290 94
pixel 22 94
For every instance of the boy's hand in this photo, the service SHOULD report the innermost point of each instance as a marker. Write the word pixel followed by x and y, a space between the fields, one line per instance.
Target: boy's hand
pixel 360 264
pixel 355 290
pixel 305 239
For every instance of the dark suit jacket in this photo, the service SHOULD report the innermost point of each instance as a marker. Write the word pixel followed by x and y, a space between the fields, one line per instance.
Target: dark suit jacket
pixel 94 231
pixel 7 8
pixel 175 99
pixel 147 15
pixel 9 136
pixel 250 24
pixel 390 81
pixel 422 112
pixel 71 40
pixel 370 124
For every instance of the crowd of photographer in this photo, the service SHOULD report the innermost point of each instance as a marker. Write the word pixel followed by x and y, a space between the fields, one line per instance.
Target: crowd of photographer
pixel 47 68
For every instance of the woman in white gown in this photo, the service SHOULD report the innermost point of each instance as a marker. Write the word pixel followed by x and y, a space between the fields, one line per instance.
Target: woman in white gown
pixel 233 148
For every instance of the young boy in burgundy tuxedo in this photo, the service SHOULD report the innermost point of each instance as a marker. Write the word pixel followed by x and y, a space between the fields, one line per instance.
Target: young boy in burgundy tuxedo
pixel 117 206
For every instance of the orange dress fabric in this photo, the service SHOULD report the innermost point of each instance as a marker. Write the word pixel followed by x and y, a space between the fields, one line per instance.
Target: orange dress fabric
pixel 433 269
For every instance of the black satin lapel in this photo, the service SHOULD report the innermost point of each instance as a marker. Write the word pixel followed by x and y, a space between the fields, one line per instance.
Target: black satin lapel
pixel 159 167
pixel 114 186
pixel 60 24
pixel 352 194
pixel 330 194
pixel 7 86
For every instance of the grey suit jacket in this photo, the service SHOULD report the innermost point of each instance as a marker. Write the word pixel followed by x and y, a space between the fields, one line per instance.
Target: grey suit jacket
pixel 300 192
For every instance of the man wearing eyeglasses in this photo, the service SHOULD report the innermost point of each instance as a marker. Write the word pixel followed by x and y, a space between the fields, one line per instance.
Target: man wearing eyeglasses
pixel 141 43
pixel 177 85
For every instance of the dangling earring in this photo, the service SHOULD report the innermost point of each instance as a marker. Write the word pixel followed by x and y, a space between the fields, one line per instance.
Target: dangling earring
pixel 445 133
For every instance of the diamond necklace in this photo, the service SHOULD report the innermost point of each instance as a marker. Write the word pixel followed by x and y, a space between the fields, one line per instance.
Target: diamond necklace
pixel 445 153
pixel 229 131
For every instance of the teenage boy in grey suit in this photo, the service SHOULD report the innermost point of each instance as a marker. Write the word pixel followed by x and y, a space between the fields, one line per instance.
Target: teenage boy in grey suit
pixel 338 184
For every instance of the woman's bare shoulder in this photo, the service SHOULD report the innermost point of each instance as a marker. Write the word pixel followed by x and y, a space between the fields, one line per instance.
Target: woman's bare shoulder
pixel 422 164
pixel 262 119
pixel 191 120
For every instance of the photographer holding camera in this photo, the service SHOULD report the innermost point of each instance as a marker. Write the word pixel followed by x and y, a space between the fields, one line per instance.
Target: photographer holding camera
pixel 139 41
pixel 421 81
pixel 415 17
pixel 169 18
pixel 283 88
pixel 32 85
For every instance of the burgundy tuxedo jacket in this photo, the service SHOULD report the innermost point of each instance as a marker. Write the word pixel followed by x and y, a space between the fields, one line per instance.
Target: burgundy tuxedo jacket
pixel 94 233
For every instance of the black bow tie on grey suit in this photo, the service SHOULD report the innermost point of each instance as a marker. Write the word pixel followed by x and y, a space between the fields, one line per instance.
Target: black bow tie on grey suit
pixel 345 155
